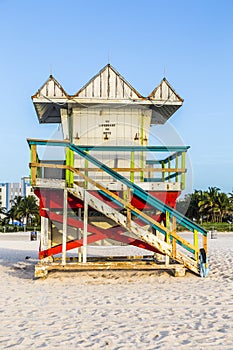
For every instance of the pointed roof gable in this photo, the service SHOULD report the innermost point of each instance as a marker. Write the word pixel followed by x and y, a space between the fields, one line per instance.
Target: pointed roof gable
pixel 106 88
pixel 108 84
pixel 51 89
pixel 164 92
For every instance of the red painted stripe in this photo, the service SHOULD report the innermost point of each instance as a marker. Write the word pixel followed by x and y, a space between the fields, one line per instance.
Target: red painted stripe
pixel 114 233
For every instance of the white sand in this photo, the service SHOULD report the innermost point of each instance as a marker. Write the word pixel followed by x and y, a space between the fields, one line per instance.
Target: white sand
pixel 114 310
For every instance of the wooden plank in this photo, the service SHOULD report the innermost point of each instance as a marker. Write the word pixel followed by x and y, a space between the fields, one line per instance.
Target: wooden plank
pixel 85 223
pixel 188 262
pixel 64 228
pixel 41 271
pixel 46 165
pixel 50 183
pixel 112 265
pixel 136 170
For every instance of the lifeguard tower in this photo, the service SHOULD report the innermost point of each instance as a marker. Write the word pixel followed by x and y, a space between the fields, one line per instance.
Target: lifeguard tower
pixel 103 185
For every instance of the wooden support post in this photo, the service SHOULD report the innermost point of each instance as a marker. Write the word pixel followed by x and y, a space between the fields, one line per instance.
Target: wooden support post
pixel 168 226
pixel 67 164
pixel 205 247
pixel 168 240
pixel 169 167
pixel 195 243
pixel 173 238
pixel 79 237
pixel 33 168
pixel 205 243
pixel 44 234
pixel 177 166
pixel 85 222
pixel 86 173
pixel 183 162
pixel 64 231
pixel 141 153
pixel 128 209
pixel 132 166
pixel 163 173
pixel 70 125
pixel 72 165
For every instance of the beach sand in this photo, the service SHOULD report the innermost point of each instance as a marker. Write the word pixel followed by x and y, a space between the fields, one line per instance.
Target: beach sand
pixel 114 310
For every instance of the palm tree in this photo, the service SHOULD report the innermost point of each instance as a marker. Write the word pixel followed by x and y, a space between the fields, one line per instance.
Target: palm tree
pixel 230 197
pixel 28 209
pixel 209 204
pixel 224 205
pixel 12 213
pixel 3 215
pixel 193 210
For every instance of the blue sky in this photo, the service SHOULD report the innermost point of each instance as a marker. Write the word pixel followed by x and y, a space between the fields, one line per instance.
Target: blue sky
pixel 191 41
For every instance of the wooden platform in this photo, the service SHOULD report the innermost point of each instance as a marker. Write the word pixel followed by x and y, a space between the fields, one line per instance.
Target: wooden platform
pixel 42 269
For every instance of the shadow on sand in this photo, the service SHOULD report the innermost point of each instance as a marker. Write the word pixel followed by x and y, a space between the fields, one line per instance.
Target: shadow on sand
pixel 18 263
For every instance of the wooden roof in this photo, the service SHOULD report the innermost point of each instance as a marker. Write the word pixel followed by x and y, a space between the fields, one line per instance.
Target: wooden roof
pixel 107 88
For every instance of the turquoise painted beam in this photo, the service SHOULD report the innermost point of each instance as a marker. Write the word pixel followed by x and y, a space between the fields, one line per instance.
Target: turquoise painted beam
pixel 111 148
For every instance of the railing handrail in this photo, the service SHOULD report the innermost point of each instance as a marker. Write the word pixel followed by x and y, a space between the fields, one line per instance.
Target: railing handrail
pixel 110 148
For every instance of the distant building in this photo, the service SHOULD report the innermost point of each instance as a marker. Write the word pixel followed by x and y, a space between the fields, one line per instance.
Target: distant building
pixel 10 190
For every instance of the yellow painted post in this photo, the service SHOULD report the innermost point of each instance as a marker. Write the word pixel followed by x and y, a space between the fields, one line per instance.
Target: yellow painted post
pixel 168 226
pixel 205 243
pixel 33 168
pixel 183 161
pixel 132 166
pixel 205 247
pixel 72 165
pixel 67 164
pixel 195 243
pixel 173 238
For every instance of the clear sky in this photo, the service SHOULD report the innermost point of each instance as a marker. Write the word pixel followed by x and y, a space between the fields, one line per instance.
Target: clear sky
pixel 191 42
